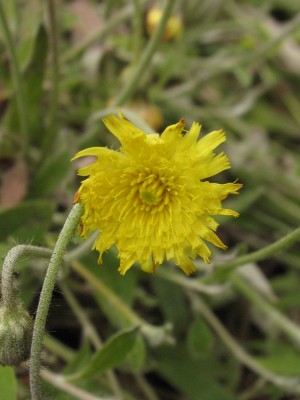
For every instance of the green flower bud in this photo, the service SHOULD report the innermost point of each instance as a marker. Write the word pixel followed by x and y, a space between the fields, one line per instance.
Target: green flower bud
pixel 16 328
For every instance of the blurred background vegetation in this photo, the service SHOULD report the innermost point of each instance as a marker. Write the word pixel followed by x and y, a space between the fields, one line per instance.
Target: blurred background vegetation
pixel 231 64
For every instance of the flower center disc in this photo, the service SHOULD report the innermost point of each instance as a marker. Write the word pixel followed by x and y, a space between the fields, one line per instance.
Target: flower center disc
pixel 151 190
pixel 148 197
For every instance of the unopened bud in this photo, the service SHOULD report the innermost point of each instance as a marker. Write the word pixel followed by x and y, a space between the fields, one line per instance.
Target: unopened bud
pixel 173 28
pixel 16 328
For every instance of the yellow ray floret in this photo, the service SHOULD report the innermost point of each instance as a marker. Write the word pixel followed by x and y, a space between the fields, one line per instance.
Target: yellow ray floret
pixel 152 198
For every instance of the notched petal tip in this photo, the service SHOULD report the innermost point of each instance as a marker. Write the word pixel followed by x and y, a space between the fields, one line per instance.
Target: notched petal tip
pixel 122 128
pixel 126 262
pixel 173 131
pixel 187 266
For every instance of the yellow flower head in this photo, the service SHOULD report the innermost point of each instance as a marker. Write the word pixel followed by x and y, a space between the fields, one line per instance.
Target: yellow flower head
pixel 152 198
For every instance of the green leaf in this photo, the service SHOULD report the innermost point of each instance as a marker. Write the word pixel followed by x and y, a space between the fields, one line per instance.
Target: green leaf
pixel 8 383
pixel 200 339
pixel 50 175
pixel 112 353
pixel 137 357
pixel 27 221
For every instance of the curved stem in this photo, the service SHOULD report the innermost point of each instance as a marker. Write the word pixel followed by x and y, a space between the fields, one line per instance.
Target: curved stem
pixel 17 80
pixel 14 255
pixel 45 298
pixel 146 57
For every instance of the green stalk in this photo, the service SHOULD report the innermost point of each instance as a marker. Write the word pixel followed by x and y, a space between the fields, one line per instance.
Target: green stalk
pixel 134 79
pixel 45 298
pixel 10 261
pixel 17 81
pixel 229 266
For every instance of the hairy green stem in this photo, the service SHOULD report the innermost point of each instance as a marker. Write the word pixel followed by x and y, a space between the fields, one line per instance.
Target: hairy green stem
pixel 268 251
pixel 10 261
pixel 291 384
pixel 54 93
pixel 17 81
pixel 136 75
pixel 280 320
pixel 45 298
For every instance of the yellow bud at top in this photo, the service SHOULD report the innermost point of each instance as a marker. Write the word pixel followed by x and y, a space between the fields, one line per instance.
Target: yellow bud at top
pixel 173 27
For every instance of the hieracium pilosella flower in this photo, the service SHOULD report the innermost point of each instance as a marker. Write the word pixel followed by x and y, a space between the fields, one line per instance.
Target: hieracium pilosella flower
pixel 152 198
